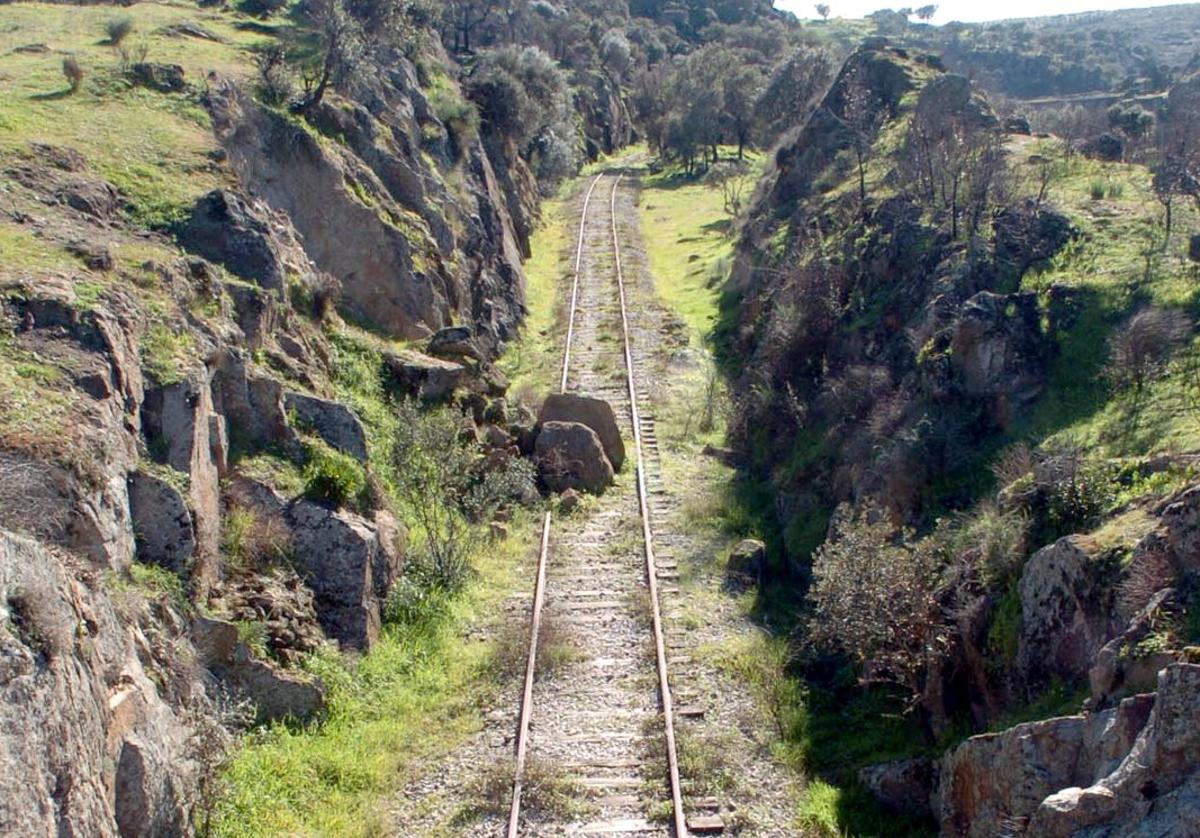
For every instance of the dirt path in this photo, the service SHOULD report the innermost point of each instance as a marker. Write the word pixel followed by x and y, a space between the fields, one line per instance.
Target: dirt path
pixel 596 736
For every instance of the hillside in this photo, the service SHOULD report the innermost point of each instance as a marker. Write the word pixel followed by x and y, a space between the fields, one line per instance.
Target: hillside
pixel 1131 50
pixel 929 343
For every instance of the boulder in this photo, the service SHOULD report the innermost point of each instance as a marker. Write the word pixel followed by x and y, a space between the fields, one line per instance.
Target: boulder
pixel 597 414
pixel 1028 235
pixel 569 455
pixel 236 232
pixel 162 523
pixel 332 421
pixel 350 563
pixel 145 807
pixel 903 786
pixel 425 377
pixel 165 78
pixel 569 501
pixel 992 784
pixel 746 564
pixel 1154 789
pixel 454 342
pixel 1066 612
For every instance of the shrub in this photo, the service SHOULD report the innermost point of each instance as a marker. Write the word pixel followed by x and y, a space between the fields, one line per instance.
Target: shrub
pixel 450 495
pixel 1079 491
pixel 73 71
pixel 250 539
pixel 1098 189
pixel 994 541
pixel 275 81
pixel 118 29
pixel 873 601
pixel 333 477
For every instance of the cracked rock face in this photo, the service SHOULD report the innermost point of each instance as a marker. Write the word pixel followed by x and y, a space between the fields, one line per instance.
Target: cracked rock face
pixel 87 746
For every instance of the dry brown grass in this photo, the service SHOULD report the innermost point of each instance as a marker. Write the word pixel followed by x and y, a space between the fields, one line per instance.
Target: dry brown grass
pixel 557 649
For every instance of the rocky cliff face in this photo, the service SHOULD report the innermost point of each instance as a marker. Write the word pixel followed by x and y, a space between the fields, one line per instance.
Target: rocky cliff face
pixel 883 340
pixel 161 392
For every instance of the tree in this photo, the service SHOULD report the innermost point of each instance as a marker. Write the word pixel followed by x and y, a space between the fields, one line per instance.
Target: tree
pixel 341 48
pixel 926 12
pixel 740 93
pixel 465 16
pixel 1177 172
pixel 823 10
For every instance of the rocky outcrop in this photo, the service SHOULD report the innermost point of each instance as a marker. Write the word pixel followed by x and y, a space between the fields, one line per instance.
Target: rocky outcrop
pixel 993 784
pixel 165 78
pixel 332 421
pixel 385 227
pixel 597 414
pixel 1066 612
pixel 1155 790
pixel 162 522
pixel 184 430
pixel 350 563
pixel 1129 663
pixel 87 746
pixel 569 455
pixel 276 693
pixel 240 233
pixel 999 351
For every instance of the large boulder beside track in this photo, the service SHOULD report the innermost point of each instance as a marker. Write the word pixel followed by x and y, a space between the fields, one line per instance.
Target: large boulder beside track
pixel 569 455
pixel 597 414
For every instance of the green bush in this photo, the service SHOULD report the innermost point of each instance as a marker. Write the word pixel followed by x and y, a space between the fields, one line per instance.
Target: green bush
pixel 333 477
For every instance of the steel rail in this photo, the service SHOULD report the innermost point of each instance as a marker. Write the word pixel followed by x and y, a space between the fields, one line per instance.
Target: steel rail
pixel 660 646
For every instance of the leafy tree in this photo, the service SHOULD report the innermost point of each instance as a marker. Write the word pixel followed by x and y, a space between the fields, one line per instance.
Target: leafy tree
pixel 823 10
pixel 341 49
pixel 464 17
pixel 926 12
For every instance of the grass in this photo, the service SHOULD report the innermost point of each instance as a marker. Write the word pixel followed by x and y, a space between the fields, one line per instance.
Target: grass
pixel 1116 266
pixel 687 235
pixel 153 147
pixel 408 702
pixel 533 360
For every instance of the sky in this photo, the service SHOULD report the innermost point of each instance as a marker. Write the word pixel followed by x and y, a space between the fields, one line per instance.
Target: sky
pixel 968 10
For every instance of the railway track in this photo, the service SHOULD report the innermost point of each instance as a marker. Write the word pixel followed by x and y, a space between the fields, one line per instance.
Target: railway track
pixel 609 720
